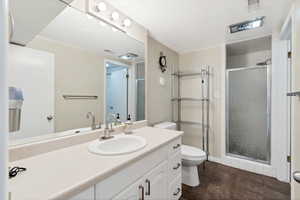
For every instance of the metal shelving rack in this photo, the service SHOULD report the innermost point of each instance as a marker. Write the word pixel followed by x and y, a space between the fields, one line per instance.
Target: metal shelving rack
pixel 204 74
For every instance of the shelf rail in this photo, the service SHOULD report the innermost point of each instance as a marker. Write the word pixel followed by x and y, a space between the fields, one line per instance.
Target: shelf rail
pixel 74 97
pixel 205 79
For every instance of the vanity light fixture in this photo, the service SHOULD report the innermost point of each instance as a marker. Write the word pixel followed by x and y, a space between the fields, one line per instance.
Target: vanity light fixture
pixel 126 22
pixel 101 7
pixel 115 16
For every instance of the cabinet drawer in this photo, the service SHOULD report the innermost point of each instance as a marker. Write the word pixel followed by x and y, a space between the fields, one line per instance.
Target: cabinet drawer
pixel 174 146
pixel 175 191
pixel 174 166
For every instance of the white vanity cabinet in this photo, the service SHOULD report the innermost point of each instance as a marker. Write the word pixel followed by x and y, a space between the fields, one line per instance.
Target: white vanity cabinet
pixel 155 183
pixel 156 176
pixel 152 186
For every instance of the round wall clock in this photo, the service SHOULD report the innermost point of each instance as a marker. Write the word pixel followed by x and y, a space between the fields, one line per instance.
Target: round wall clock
pixel 163 62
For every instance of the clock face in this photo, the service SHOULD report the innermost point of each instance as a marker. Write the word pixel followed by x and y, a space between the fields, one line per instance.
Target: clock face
pixel 163 61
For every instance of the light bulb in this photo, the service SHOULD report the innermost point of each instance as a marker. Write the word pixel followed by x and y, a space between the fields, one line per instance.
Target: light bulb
pixel 115 15
pixel 101 7
pixel 127 22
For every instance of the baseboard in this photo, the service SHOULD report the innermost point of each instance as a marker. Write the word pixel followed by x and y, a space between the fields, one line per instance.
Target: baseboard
pixel 246 165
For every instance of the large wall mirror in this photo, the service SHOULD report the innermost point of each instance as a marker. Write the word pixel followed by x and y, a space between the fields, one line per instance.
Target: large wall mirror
pixel 67 64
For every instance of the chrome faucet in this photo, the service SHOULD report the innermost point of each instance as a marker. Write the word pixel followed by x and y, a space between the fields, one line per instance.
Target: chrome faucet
pixel 108 129
pixel 91 115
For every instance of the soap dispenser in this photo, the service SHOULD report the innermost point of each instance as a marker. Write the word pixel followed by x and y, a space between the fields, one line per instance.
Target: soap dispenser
pixel 127 126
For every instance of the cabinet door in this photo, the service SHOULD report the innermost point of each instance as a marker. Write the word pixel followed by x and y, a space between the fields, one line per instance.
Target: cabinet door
pixel 156 183
pixel 134 192
pixel 85 195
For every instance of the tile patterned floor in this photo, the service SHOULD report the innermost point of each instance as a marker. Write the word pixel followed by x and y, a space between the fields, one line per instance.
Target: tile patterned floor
pixel 219 182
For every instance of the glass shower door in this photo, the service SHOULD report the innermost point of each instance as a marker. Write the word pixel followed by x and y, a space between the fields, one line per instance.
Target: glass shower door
pixel 248 113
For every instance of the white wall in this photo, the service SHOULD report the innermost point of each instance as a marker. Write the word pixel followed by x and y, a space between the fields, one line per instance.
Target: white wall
pixel 158 97
pixel 215 58
pixel 279 112
pixel 249 59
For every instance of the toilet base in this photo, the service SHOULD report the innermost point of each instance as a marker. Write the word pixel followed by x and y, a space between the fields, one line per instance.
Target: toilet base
pixel 190 176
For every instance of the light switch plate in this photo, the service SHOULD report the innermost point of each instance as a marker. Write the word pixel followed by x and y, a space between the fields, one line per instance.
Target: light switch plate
pixel 162 81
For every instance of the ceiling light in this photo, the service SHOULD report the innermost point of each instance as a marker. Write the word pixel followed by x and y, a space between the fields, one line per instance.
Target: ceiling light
pixel 101 7
pixel 247 25
pixel 127 22
pixel 128 56
pixel 115 15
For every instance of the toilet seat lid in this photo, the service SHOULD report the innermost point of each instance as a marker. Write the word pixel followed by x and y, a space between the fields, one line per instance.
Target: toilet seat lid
pixel 192 152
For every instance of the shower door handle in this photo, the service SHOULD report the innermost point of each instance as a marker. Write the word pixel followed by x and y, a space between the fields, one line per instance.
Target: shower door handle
pixel 296 176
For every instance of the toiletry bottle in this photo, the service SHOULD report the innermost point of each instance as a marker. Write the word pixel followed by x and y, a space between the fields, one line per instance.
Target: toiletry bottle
pixel 128 123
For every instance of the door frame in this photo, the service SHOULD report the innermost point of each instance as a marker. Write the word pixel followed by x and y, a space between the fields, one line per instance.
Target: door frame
pixel 131 74
pixel 268 113
pixel 4 99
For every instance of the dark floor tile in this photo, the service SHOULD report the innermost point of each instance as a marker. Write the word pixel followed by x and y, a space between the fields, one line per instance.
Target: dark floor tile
pixel 219 182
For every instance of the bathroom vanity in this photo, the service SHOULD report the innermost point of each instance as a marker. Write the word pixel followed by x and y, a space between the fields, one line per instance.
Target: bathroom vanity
pixel 74 173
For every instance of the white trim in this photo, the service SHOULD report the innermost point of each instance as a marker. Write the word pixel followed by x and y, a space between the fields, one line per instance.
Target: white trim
pixel 249 39
pixel 279 166
pixel 247 165
pixel 286 29
pixel 3 100
pixel 279 117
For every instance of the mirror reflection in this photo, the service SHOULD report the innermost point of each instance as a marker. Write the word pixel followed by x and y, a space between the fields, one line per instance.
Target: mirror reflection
pixel 69 72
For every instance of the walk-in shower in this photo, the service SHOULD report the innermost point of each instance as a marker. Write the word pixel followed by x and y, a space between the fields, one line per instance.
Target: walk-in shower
pixel 248 113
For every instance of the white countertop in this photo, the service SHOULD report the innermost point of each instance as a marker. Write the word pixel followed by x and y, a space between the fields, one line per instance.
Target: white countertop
pixel 65 172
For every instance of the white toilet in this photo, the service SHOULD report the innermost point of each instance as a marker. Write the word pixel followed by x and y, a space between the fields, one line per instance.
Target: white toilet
pixel 191 158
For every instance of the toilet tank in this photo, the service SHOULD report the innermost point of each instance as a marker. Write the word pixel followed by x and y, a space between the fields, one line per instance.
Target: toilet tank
pixel 166 125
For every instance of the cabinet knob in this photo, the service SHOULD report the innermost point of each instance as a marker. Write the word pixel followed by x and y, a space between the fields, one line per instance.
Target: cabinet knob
pixel 176 146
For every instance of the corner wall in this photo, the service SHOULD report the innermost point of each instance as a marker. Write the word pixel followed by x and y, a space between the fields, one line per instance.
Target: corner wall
pixel 159 107
pixel 215 58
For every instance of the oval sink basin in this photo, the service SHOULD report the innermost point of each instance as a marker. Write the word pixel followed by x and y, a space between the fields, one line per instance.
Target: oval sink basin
pixel 120 144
